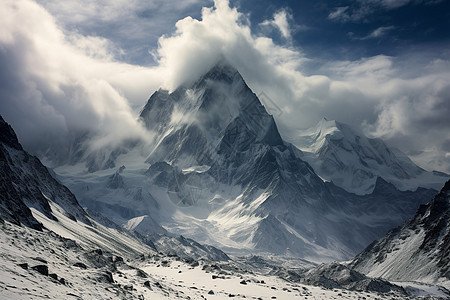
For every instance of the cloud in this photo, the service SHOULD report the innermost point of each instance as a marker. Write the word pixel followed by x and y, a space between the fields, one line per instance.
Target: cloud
pixel 360 10
pixel 55 86
pixel 339 14
pixel 222 31
pixel 57 82
pixel 281 22
pixel 373 92
pixel 377 33
pixel 391 4
pixel 133 25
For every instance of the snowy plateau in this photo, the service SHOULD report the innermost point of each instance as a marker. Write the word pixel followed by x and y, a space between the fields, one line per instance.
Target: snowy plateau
pixel 220 205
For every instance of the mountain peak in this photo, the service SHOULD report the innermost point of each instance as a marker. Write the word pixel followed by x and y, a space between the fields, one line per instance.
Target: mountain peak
pixel 383 187
pixel 324 121
pixel 8 136
pixel 222 71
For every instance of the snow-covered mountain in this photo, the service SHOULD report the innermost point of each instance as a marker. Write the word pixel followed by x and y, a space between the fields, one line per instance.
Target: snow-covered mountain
pixel 221 174
pixel 353 161
pixel 25 183
pixel 419 250
pixel 250 191
pixel 46 252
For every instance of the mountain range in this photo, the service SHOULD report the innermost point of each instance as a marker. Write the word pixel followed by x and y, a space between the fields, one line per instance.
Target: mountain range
pixel 353 161
pixel 219 172
pixel 220 177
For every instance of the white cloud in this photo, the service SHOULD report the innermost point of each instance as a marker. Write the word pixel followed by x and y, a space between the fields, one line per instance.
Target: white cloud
pixel 281 22
pixel 378 33
pixel 359 10
pixel 339 14
pixel 55 85
pixel 133 25
pixel 55 82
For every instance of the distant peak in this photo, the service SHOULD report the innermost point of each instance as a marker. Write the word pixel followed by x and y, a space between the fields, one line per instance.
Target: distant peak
pixel 326 120
pixel 383 187
pixel 325 123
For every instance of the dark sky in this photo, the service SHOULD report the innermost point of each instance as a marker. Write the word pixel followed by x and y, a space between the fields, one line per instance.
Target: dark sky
pixel 409 26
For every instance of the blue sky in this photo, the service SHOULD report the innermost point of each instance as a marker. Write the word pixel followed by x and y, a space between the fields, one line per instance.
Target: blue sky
pixel 379 65
pixel 352 29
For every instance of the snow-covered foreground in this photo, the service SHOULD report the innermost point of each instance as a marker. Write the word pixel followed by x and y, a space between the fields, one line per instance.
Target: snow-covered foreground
pixel 45 265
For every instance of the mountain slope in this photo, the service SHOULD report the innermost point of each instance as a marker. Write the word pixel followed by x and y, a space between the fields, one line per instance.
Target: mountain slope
pixel 25 183
pixel 419 250
pixel 352 161
pixel 85 260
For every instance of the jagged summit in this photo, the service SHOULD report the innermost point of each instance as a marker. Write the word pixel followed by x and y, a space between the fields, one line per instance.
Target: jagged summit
pixel 8 136
pixel 383 187
pixel 221 71
pixel 218 110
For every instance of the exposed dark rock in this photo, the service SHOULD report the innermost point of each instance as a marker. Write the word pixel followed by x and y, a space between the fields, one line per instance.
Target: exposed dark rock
pixel 43 269
pixel 53 275
pixel 339 276
pixel 80 265
pixel 70 244
pixel 117 259
pixel 8 136
pixel 141 273
pixel 195 264
pixel 98 251
pixel 115 181
pixel 25 182
pixel 106 276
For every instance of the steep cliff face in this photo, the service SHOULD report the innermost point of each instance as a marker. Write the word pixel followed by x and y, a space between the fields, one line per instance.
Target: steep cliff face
pixel 25 183
pixel 417 250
